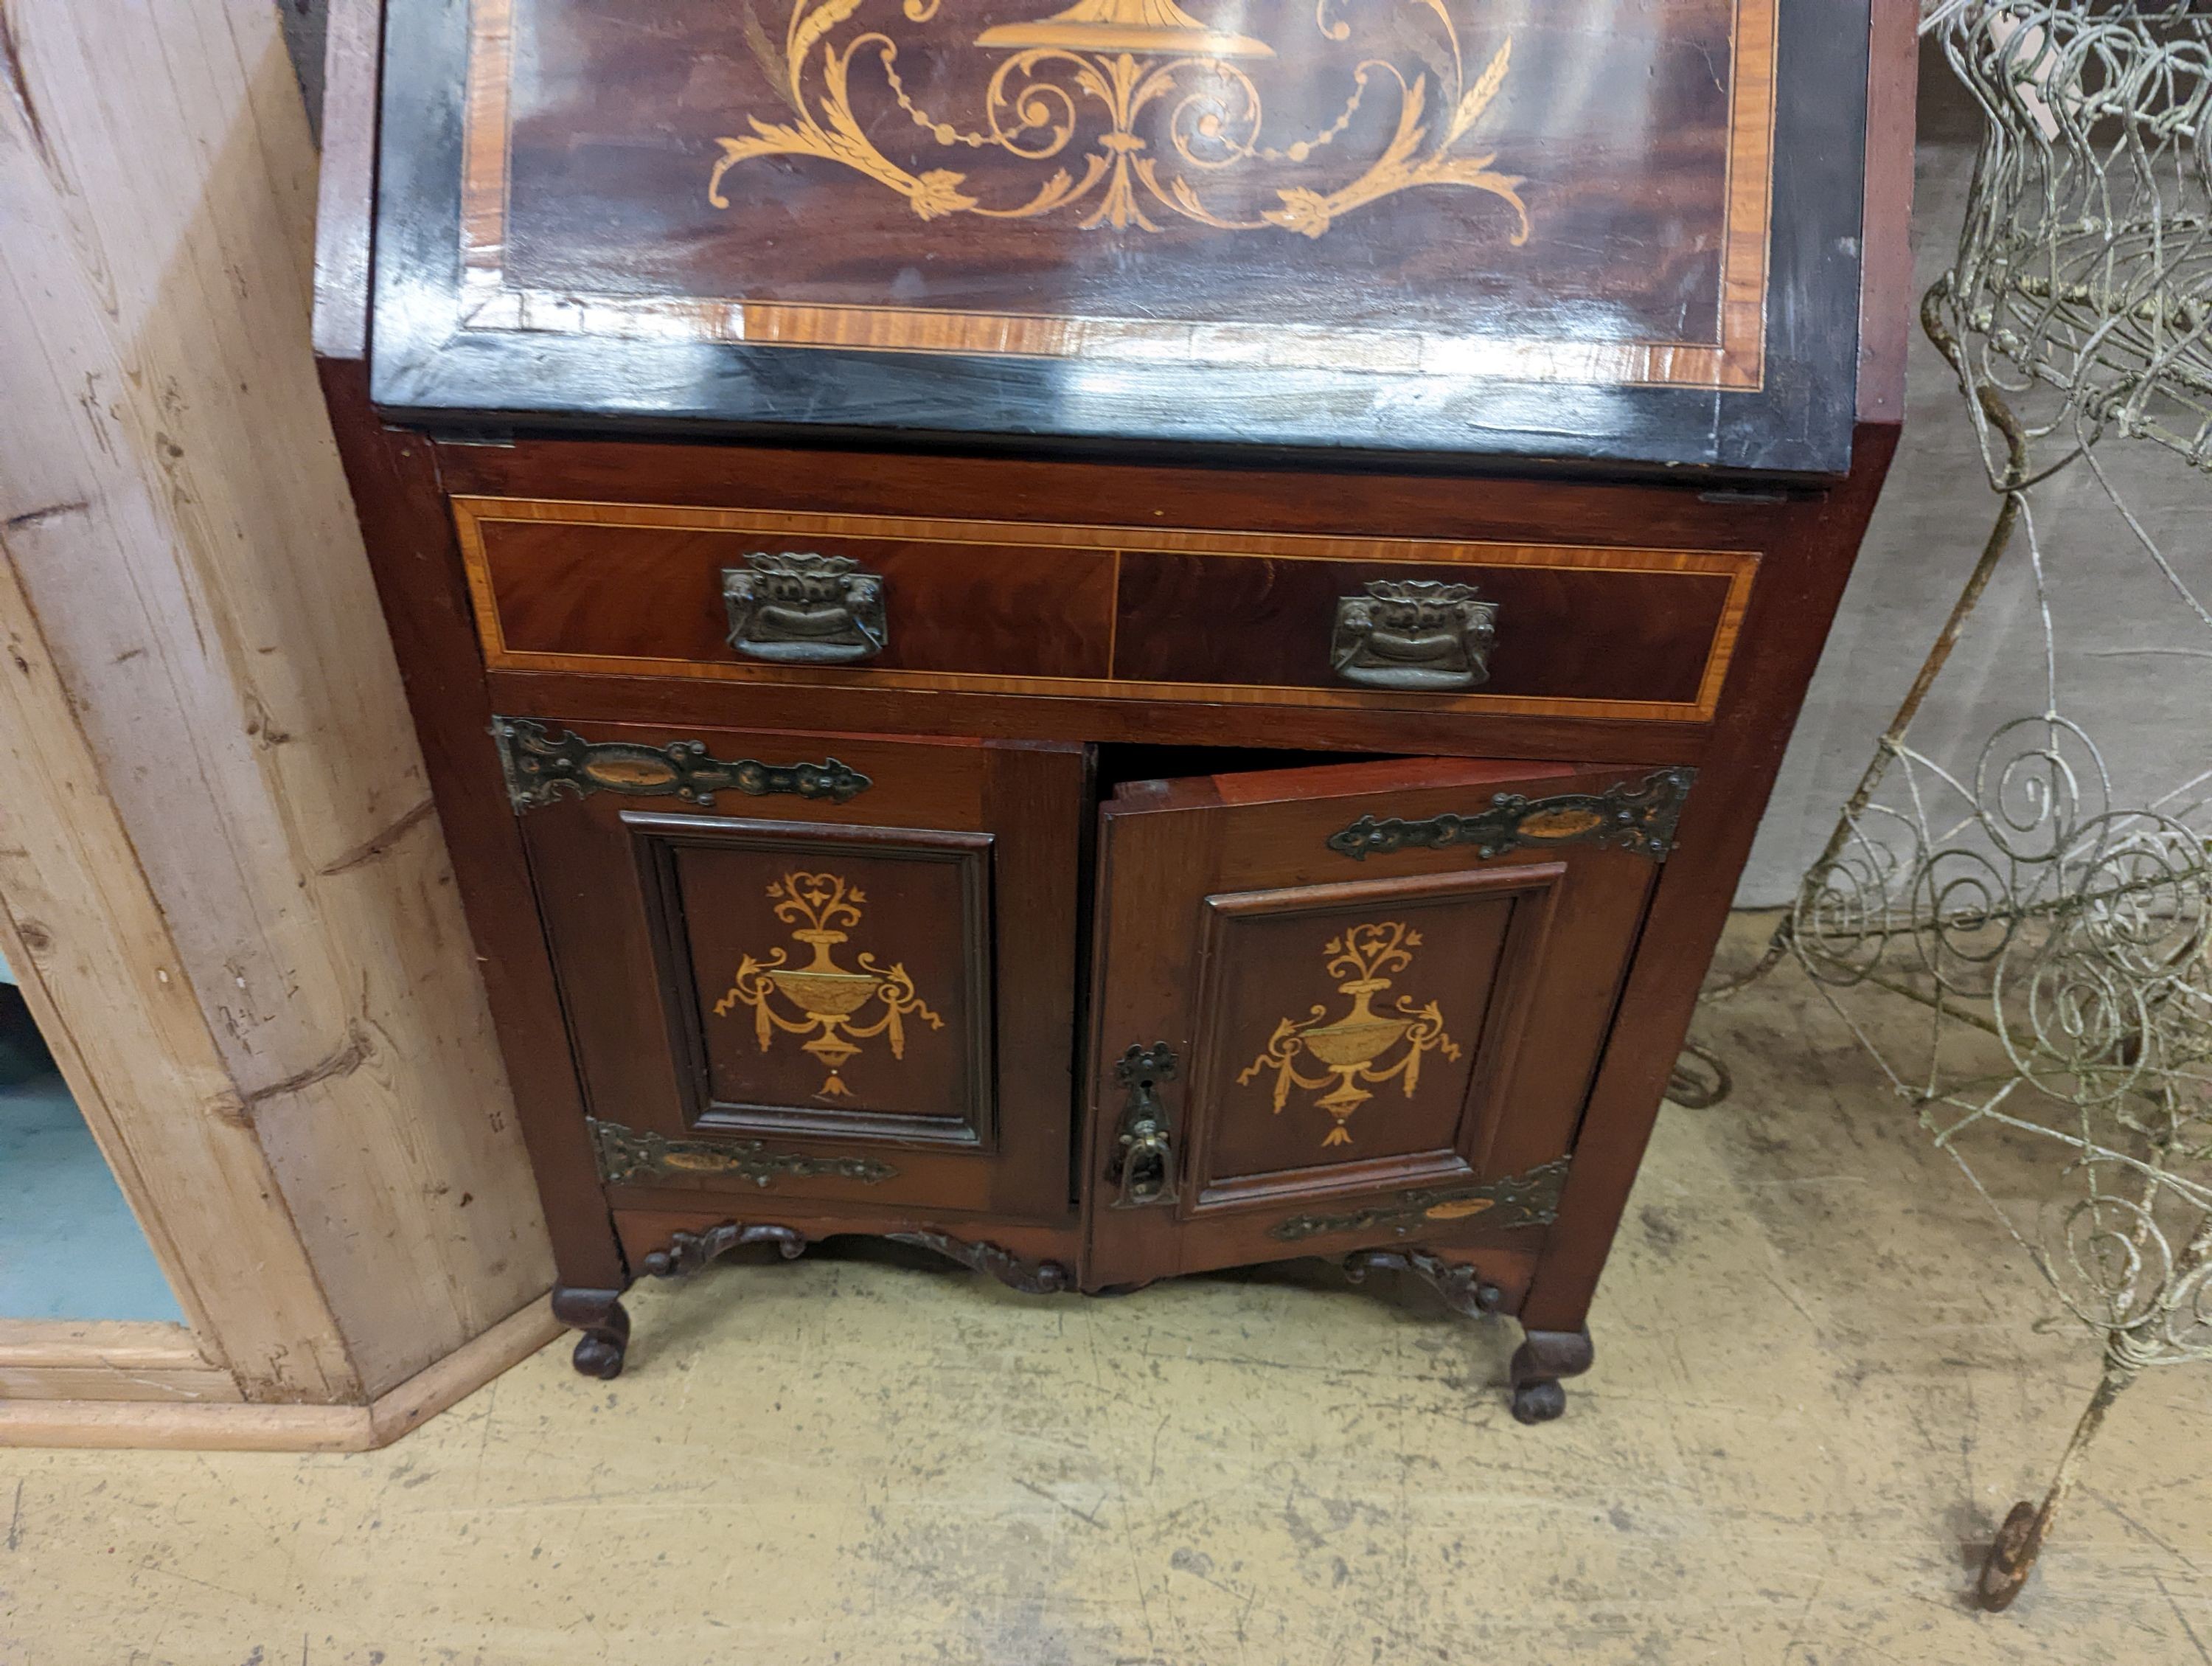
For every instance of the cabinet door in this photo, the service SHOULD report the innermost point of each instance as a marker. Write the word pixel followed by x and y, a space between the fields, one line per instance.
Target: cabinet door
pixel 1354 1005
pixel 834 968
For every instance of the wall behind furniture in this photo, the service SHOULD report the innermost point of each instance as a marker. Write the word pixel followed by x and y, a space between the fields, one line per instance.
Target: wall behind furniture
pixel 2128 668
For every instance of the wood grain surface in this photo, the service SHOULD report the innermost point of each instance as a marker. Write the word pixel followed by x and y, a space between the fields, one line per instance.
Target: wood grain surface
pixel 575 219
pixel 1134 612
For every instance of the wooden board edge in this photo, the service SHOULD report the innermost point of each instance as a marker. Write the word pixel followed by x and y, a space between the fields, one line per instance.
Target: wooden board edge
pixel 121 1424
pixel 488 1354
pixel 125 1344
pixel 108 1383
pixel 88 939
pixel 1885 300
pixel 345 195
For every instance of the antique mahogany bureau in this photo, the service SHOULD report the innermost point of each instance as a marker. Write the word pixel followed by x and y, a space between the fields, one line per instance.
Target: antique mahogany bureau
pixel 1115 640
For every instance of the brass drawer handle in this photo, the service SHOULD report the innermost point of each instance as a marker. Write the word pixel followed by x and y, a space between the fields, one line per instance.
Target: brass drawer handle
pixel 1142 1169
pixel 804 610
pixel 1414 633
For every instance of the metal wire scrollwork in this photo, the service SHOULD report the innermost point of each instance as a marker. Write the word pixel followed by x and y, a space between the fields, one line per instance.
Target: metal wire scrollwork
pixel 2056 929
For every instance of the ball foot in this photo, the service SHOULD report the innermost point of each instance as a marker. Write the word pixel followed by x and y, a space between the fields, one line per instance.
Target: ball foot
pixel 1538 1401
pixel 1543 1358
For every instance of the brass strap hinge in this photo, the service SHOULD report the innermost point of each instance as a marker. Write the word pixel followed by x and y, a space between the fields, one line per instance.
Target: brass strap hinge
pixel 540 765
pixel 1638 816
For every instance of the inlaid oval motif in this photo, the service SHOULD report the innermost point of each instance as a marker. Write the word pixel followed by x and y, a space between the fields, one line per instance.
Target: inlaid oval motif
pixel 1566 823
pixel 630 774
pixel 1457 1209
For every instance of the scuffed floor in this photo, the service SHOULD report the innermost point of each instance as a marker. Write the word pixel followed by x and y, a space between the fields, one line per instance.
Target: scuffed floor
pixel 1819 1384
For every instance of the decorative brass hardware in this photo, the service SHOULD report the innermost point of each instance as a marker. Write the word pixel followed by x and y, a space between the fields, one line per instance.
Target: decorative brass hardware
pixel 1038 1278
pixel 1348 1047
pixel 804 610
pixel 540 766
pixel 1529 1199
pixel 1466 1291
pixel 1414 633
pixel 1638 816
pixel 1143 1166
pixel 828 995
pixel 687 1252
pixel 1146 64
pixel 631 1154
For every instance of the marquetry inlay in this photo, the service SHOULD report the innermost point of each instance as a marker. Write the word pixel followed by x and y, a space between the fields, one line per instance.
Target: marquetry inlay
pixel 1359 1048
pixel 832 1002
pixel 830 173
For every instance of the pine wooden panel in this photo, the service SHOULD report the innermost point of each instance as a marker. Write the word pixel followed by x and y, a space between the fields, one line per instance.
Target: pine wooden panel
pixel 85 934
pixel 209 1385
pixel 208 1426
pixel 178 525
pixel 125 1344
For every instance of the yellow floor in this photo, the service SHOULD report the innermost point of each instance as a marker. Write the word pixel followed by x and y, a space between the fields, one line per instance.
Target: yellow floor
pixel 1819 1384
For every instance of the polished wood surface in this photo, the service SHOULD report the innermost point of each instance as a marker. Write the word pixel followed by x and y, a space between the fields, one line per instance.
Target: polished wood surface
pixel 1123 180
pixel 747 919
pixel 1574 636
pixel 941 898
pixel 1134 612
pixel 1263 1101
pixel 1220 901
pixel 555 592
pixel 1691 903
pixel 1425 230
pixel 1094 623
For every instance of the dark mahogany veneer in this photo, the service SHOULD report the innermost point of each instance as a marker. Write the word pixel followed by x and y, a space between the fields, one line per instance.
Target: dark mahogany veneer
pixel 1212 718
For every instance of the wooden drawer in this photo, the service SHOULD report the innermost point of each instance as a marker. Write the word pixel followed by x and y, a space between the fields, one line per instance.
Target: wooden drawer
pixel 1129 612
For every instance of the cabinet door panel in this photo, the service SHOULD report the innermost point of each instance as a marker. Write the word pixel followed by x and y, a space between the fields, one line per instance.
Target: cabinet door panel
pixel 1357 1030
pixel 824 980
pixel 1384 1025
pixel 828 999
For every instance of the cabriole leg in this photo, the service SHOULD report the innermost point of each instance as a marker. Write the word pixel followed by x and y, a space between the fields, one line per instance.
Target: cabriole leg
pixel 605 1322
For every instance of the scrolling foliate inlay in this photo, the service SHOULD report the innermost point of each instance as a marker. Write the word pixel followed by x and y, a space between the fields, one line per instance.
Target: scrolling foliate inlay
pixel 1350 1049
pixel 1148 101
pixel 831 998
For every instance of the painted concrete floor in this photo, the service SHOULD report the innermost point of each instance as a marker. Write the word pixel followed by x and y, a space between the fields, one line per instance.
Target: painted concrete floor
pixel 1818 1385
pixel 68 1246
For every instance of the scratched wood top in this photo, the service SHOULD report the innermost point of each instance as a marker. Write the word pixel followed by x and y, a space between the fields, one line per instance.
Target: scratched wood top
pixel 1615 228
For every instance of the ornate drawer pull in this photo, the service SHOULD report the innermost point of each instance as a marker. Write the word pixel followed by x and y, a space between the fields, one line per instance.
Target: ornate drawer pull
pixel 804 610
pixel 1414 633
pixel 1142 1169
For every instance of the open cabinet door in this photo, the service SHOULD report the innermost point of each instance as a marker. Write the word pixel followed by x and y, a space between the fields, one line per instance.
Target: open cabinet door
pixel 1354 1005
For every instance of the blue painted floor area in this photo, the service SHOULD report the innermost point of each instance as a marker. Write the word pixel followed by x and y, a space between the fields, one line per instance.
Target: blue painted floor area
pixel 69 1247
